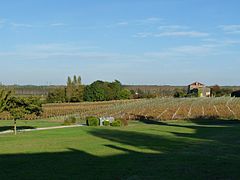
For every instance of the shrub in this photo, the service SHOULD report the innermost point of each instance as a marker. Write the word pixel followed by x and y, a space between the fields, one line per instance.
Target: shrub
pixel 70 120
pixel 92 121
pixel 106 123
pixel 116 123
pixel 124 122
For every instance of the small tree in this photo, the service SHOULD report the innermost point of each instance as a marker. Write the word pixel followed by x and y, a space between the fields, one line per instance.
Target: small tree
pixel 17 113
pixel 18 107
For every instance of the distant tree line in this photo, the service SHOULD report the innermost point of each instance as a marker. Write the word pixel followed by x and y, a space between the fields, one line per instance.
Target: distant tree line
pixel 216 91
pixel 151 91
pixel 75 91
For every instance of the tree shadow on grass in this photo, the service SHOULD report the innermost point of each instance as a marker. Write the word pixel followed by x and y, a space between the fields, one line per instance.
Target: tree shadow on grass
pixel 6 128
pixel 201 120
pixel 211 152
pixel 208 128
pixel 148 120
pixel 136 155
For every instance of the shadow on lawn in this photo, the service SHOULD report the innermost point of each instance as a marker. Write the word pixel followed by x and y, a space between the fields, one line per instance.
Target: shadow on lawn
pixel 6 128
pixel 209 128
pixel 184 156
pixel 201 120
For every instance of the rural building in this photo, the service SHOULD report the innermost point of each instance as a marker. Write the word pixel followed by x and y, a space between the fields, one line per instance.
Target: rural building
pixel 236 93
pixel 200 89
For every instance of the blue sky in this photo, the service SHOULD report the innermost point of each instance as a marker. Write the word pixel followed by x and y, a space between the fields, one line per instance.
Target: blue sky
pixel 157 42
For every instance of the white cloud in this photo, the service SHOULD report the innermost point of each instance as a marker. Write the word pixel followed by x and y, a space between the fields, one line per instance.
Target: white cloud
pixel 138 22
pixel 182 34
pixel 143 34
pixel 148 21
pixel 191 34
pixel 231 29
pixel 21 25
pixel 122 23
pixel 195 50
pixel 57 24
pixel 222 42
pixel 172 28
pixel 118 24
pixel 172 31
pixel 68 51
pixel 186 52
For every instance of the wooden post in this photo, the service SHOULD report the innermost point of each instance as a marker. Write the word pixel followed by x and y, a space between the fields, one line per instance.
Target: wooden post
pixel 15 126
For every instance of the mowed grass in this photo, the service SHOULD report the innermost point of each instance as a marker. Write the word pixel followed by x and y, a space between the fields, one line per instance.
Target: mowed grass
pixel 143 150
pixel 29 124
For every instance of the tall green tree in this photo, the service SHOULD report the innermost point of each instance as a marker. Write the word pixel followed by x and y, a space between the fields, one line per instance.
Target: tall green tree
pixel 69 89
pixel 69 81
pixel 75 80
pixel 73 92
pixel 79 80
pixel 74 89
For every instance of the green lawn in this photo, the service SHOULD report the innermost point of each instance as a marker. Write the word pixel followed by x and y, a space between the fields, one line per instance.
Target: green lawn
pixel 28 124
pixel 143 150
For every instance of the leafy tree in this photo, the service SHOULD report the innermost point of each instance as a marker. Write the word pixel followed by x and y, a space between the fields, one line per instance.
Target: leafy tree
pixel 57 95
pixel 97 91
pixel 124 94
pixel 105 91
pixel 18 107
pixel 116 88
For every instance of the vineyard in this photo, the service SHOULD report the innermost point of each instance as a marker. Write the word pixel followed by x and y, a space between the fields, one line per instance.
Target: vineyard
pixel 157 109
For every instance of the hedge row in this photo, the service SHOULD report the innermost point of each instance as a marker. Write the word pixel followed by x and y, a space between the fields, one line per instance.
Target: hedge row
pixel 94 121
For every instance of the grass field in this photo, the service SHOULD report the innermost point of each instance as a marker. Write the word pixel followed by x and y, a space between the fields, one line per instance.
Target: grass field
pixel 28 124
pixel 143 150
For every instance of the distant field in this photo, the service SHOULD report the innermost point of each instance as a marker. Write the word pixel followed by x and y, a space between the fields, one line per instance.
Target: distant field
pixel 143 150
pixel 163 91
pixel 157 109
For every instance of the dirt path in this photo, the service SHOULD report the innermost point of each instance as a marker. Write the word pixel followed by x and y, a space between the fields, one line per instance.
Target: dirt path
pixel 41 129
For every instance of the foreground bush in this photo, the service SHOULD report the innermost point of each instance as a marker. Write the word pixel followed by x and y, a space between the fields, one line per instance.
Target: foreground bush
pixel 106 123
pixel 92 121
pixel 70 120
pixel 116 123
